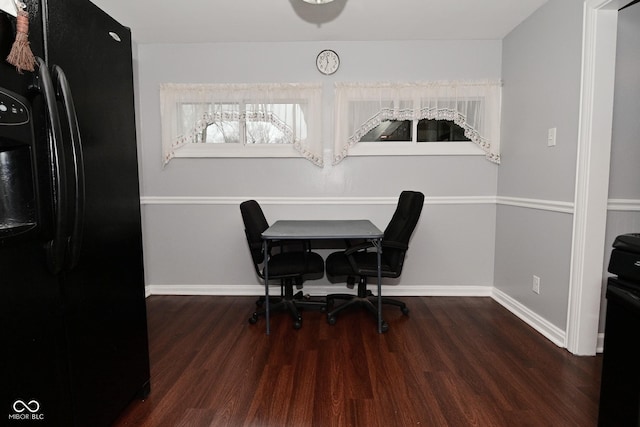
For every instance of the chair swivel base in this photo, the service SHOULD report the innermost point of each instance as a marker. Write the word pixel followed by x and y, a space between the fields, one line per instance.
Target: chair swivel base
pixel 290 304
pixel 367 302
pixel 272 300
pixel 364 298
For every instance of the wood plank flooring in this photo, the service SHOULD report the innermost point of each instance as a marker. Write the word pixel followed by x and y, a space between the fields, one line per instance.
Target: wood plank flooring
pixel 451 362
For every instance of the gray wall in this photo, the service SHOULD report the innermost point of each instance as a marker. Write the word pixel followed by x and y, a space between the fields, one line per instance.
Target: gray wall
pixel 624 181
pixel 199 243
pixel 624 184
pixel 541 73
pixel 193 233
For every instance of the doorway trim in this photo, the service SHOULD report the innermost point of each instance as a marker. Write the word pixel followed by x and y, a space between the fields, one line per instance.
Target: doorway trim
pixel 592 174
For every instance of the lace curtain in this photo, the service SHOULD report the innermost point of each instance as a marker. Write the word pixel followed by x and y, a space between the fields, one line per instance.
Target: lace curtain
pixel 473 105
pixel 187 109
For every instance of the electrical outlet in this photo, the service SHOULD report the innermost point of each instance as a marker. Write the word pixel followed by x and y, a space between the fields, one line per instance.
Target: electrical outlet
pixel 536 285
pixel 551 137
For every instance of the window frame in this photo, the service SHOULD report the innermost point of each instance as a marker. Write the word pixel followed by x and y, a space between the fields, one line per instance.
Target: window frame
pixel 410 148
pixel 178 143
pixel 406 101
pixel 242 149
pixel 193 150
pixel 415 147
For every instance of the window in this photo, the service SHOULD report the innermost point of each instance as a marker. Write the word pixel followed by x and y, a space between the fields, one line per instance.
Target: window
pixel 223 130
pixel 390 130
pixel 261 120
pixel 417 119
pixel 426 130
pixel 258 124
pixel 285 119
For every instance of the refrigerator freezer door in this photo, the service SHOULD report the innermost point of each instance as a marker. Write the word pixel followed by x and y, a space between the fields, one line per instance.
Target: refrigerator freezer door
pixel 33 368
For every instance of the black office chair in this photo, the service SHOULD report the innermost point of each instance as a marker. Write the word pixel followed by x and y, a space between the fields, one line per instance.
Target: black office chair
pixel 290 262
pixel 358 261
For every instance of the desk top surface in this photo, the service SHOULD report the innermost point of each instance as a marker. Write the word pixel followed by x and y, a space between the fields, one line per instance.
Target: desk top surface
pixel 322 229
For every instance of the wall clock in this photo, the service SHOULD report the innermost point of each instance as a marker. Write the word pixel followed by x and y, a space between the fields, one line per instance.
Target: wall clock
pixel 327 62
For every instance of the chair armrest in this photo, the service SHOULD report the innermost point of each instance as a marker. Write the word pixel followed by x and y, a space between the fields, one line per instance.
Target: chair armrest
pixel 394 245
pixel 355 248
pixel 258 246
pixel 385 244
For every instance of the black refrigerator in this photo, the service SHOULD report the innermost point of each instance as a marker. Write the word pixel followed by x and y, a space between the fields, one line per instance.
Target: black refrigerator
pixel 74 347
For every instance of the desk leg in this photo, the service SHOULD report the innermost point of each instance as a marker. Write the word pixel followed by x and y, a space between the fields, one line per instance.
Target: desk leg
pixel 379 251
pixel 266 284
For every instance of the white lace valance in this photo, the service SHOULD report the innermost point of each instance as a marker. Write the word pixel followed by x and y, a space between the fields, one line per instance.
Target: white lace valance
pixel 295 109
pixel 473 105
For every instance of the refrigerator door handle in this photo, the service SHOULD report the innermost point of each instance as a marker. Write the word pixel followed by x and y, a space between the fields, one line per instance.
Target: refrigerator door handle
pixel 63 93
pixel 57 246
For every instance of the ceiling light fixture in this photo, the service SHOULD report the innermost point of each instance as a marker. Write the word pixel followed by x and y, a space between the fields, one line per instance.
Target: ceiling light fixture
pixel 317 1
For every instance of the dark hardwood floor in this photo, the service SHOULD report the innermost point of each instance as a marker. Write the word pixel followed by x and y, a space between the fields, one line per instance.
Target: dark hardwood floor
pixel 451 362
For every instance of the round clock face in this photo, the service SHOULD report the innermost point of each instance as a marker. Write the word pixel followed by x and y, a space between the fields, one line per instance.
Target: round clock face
pixel 327 62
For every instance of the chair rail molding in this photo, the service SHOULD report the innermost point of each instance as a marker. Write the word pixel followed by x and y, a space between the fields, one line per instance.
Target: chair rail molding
pixel 236 200
pixel 540 204
pixel 624 205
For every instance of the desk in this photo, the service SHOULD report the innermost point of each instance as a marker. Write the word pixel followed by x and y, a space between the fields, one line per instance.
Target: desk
pixel 323 230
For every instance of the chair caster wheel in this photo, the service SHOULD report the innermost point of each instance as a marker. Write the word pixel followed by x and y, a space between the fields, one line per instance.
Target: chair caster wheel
pixel 385 327
pixel 253 319
pixel 331 320
pixel 405 311
pixel 297 324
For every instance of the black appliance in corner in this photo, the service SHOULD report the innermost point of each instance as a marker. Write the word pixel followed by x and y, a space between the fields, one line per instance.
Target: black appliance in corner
pixel 620 383
pixel 72 308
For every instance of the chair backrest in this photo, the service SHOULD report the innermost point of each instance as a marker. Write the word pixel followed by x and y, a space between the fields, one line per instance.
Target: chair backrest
pixel 401 227
pixel 254 225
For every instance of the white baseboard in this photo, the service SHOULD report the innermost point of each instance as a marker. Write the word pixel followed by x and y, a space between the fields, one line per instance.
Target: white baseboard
pixel 221 290
pixel 548 330
pixel 251 290
pixel 541 325
pixel 600 343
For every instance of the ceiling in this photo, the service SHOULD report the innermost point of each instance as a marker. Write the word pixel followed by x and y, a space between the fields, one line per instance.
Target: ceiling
pixel 198 21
